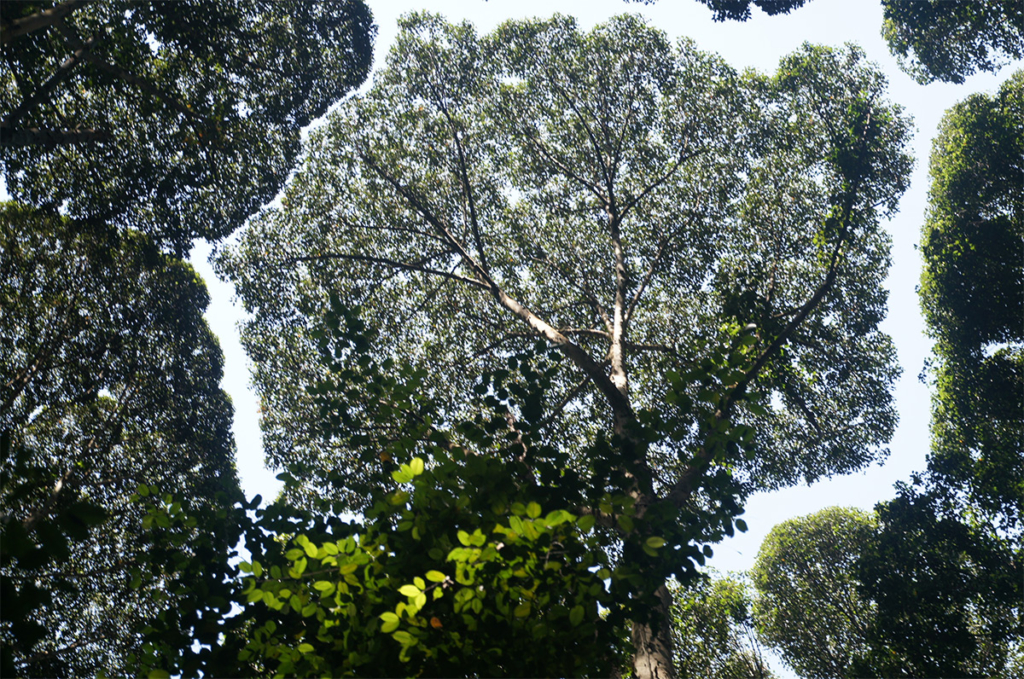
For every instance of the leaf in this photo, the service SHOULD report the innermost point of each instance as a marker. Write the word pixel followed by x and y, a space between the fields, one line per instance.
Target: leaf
pixel 420 584
pixel 522 610
pixel 305 648
pixel 586 522
pixel 576 615
pixel 436 576
pixel 416 466
pixel 409 590
pixel 533 510
pixel 464 538
pixel 655 542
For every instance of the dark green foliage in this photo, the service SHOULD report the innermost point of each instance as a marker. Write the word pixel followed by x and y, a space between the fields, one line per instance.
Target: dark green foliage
pixel 947 594
pixel 952 39
pixel 971 292
pixel 175 119
pixel 109 379
pixel 945 40
pixel 739 10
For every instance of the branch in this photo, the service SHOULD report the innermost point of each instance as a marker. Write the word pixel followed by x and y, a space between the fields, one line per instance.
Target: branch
pixel 124 75
pixel 35 136
pixel 687 483
pixel 33 22
pixel 583 287
pixel 464 180
pixel 662 247
pixel 60 75
pixel 390 263
pixel 682 158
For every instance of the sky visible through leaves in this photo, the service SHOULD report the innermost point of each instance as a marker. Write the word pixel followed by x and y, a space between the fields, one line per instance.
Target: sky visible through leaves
pixel 758 43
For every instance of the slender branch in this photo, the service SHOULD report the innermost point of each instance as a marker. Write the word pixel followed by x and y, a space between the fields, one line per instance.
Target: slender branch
pixel 662 248
pixel 464 180
pixel 566 400
pixel 563 168
pixel 387 262
pixel 609 200
pixel 581 285
pixel 35 136
pixel 682 158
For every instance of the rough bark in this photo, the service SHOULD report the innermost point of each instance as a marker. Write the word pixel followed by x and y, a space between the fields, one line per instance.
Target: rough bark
pixel 653 657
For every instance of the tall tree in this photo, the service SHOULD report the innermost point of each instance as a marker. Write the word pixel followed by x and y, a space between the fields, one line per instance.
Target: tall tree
pixel 952 542
pixel 902 592
pixel 634 206
pixel 971 294
pixel 109 378
pixel 807 605
pixel 175 119
pixel 952 39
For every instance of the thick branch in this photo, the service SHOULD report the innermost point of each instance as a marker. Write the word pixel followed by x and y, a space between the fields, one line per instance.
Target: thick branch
pixel 34 22
pixel 688 481
pixel 60 75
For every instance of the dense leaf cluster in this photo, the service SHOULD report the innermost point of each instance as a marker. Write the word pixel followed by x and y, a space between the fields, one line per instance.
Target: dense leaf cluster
pixel 175 119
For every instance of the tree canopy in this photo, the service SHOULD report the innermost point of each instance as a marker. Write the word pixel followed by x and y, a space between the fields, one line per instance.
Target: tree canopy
pixel 713 630
pixel 972 245
pixel 808 606
pixel 933 39
pixel 110 380
pixel 682 235
pixel 177 120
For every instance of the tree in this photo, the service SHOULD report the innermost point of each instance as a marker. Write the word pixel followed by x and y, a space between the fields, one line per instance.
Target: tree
pixel 950 40
pixel 109 380
pixel 972 245
pixel 177 120
pixel 633 206
pixel 807 605
pixel 946 589
pixel 933 39
pixel 952 541
pixel 713 630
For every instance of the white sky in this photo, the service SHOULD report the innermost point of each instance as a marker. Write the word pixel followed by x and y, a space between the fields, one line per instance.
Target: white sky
pixel 758 43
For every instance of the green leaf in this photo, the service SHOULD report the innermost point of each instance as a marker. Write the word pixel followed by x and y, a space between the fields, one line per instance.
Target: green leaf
pixel 464 538
pixel 576 615
pixel 533 510
pixel 405 638
pixel 416 466
pixel 436 576
pixel 305 648
pixel 522 610
pixel 655 542
pixel 586 522
pixel 410 590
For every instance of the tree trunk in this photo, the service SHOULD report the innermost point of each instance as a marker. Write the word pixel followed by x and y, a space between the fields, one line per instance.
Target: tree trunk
pixel 653 656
